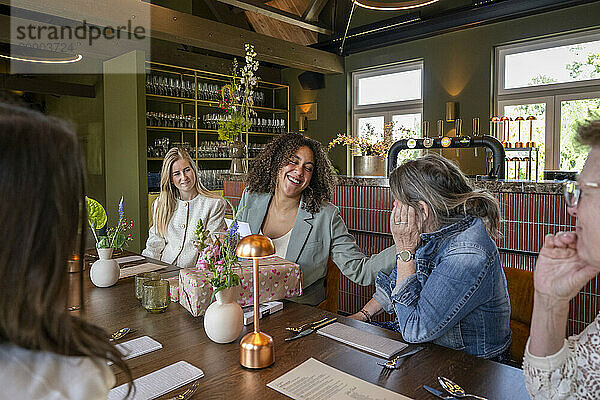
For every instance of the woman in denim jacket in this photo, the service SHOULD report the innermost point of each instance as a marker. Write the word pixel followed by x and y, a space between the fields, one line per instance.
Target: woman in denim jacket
pixel 448 286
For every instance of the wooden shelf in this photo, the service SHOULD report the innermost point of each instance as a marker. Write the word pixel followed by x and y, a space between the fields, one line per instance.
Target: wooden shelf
pixel 169 99
pixel 167 128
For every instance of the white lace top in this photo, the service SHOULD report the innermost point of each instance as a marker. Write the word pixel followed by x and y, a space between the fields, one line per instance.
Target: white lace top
pixel 572 373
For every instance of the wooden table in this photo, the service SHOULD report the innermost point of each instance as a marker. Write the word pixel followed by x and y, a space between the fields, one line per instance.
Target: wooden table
pixel 183 338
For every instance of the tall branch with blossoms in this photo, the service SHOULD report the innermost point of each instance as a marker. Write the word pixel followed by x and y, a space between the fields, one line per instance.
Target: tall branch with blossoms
pixel 242 89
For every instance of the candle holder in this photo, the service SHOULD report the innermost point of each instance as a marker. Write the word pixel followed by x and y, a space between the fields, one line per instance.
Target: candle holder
pixel 519 144
pixel 506 132
pixel 256 348
pixel 531 143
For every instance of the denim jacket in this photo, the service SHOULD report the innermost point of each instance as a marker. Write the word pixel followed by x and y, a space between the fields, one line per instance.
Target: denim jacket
pixel 457 297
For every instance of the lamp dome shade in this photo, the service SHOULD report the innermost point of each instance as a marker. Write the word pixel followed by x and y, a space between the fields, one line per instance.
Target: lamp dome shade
pixel 255 246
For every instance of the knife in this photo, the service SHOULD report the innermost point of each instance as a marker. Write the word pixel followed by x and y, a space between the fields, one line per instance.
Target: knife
pixel 311 329
pixel 439 393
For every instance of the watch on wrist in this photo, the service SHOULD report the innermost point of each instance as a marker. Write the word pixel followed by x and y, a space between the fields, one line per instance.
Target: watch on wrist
pixel 405 256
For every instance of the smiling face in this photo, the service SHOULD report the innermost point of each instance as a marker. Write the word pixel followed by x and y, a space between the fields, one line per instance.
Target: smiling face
pixel 184 179
pixel 295 176
pixel 587 211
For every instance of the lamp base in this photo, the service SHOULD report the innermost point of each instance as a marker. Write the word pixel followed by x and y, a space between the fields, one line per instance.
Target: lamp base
pixel 256 350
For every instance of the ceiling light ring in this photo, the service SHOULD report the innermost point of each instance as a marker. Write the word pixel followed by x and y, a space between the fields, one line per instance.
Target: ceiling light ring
pixel 70 60
pixel 393 6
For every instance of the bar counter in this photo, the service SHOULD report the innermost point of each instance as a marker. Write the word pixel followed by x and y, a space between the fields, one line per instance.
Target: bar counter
pixel 529 211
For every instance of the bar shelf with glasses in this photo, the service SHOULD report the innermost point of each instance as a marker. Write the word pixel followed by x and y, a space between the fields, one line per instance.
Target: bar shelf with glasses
pixel 183 103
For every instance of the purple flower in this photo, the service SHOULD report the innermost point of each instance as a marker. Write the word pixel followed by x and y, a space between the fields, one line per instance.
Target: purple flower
pixel 232 231
pixel 121 210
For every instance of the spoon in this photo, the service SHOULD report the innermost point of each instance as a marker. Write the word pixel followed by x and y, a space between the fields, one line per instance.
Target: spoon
pixel 456 390
pixel 119 334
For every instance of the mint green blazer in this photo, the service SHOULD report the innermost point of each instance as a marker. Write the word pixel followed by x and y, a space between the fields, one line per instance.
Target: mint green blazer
pixel 315 238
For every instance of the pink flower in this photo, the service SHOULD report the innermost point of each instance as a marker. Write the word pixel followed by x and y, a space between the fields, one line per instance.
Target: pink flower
pixel 219 267
pixel 202 264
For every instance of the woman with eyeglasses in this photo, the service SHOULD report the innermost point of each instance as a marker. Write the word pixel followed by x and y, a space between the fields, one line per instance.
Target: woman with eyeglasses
pixel 555 367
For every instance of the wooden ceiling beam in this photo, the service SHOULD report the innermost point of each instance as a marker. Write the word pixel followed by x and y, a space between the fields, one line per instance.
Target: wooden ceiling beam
pixel 46 86
pixel 275 13
pixel 178 27
pixel 314 9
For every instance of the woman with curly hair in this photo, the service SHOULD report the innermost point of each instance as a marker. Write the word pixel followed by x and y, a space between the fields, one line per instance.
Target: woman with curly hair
pixel 288 200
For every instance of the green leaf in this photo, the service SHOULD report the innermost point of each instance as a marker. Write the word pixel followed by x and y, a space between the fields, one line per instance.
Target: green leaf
pixel 96 214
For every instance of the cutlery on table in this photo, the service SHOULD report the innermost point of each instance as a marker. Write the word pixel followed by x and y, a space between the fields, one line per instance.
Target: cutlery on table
pixel 439 393
pixel 188 393
pixel 120 334
pixel 456 390
pixel 311 329
pixel 301 327
pixel 393 363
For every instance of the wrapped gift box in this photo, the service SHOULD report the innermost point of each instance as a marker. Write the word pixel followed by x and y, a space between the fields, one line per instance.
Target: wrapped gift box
pixel 279 279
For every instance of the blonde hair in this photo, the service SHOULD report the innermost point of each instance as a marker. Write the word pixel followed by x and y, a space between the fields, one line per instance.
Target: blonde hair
pixel 167 200
pixel 446 190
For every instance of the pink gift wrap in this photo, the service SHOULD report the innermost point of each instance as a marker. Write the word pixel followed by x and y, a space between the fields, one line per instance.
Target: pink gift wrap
pixel 279 279
pixel 174 288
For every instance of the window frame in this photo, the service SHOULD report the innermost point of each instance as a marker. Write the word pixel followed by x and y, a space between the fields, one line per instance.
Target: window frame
pixel 385 70
pixel 540 44
pixel 551 94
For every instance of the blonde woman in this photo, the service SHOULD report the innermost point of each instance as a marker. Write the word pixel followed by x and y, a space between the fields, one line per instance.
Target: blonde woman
pixel 182 202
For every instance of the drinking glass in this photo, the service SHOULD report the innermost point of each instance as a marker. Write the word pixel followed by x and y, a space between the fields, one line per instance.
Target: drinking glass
pixel 141 278
pixel 156 296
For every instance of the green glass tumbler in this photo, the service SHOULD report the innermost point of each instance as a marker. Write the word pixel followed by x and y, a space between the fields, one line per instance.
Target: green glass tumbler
pixel 144 277
pixel 156 296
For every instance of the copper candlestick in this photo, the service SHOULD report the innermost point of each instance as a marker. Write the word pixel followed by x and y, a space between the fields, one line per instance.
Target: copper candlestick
pixel 506 132
pixel 519 143
pixel 256 348
pixel 494 127
pixel 531 143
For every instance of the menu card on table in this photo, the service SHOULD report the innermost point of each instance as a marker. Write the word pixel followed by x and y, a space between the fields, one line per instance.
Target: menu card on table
pixel 138 346
pixel 313 380
pixel 138 269
pixel 128 259
pixel 378 345
pixel 159 382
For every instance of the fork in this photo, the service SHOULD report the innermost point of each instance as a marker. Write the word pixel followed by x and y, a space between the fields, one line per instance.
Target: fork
pixel 301 327
pixel 393 363
pixel 188 393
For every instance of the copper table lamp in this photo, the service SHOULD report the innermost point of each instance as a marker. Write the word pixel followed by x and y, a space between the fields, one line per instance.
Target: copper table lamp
pixel 256 348
pixel 531 143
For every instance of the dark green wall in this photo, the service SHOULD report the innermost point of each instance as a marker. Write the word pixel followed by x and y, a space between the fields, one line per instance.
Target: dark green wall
pixel 87 118
pixel 458 66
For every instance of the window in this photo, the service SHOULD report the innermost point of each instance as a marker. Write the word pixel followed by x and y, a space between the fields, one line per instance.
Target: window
pixel 557 81
pixel 389 94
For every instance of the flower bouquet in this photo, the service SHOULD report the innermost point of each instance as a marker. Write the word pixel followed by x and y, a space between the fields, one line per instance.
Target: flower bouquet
pixel 366 144
pixel 219 258
pixel 116 236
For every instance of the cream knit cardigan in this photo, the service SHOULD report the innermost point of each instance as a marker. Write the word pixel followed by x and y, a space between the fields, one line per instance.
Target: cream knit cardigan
pixel 177 248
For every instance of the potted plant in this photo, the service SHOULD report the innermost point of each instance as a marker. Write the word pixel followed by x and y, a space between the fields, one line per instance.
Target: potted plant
pixel 237 101
pixel 224 319
pixel 105 271
pixel 369 154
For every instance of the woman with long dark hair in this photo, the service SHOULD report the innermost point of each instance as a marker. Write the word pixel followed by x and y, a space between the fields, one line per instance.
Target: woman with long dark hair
pixel 45 352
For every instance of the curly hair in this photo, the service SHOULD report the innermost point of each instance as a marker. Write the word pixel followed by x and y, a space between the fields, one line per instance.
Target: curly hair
pixel 265 168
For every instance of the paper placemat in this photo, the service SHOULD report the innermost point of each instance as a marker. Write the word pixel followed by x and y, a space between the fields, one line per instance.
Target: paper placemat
pixel 138 269
pixel 378 345
pixel 313 380
pixel 138 346
pixel 127 259
pixel 160 382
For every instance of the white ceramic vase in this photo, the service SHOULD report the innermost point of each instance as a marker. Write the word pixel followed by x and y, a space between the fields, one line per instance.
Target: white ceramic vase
pixel 105 272
pixel 224 319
